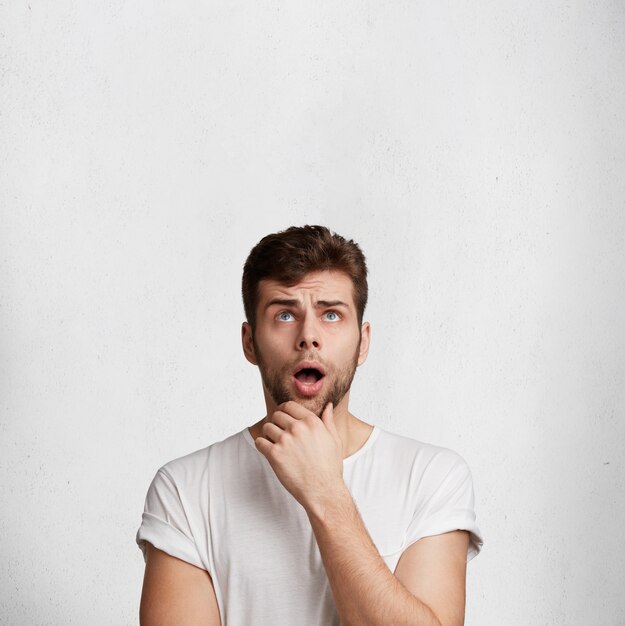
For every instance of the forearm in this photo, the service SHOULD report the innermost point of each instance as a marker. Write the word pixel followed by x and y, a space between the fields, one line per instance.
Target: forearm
pixel 364 589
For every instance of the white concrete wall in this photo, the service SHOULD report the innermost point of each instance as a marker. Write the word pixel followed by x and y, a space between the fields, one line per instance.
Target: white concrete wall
pixel 475 150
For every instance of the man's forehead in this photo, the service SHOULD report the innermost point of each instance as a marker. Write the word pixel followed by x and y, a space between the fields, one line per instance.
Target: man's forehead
pixel 321 283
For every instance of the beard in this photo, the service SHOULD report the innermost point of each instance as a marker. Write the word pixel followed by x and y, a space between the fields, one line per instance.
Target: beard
pixel 281 389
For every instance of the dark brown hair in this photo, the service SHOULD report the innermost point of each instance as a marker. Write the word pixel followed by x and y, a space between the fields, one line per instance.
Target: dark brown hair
pixel 287 256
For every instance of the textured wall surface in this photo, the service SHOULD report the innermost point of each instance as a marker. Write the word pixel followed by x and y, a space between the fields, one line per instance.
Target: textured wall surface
pixel 476 151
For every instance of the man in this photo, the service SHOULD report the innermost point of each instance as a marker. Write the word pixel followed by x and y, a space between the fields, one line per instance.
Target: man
pixel 311 516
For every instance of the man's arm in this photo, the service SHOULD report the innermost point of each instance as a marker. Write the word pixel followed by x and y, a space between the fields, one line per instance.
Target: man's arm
pixel 428 588
pixel 305 453
pixel 176 592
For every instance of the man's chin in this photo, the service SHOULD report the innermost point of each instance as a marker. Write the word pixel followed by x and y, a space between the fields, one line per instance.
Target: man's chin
pixel 315 404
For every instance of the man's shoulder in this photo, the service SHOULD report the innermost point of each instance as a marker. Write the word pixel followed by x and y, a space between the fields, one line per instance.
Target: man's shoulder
pixel 426 455
pixel 197 462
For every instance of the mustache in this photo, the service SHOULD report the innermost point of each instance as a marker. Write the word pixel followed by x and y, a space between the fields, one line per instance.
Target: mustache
pixel 309 356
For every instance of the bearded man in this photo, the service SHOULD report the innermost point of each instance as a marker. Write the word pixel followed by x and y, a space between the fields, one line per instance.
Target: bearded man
pixel 310 516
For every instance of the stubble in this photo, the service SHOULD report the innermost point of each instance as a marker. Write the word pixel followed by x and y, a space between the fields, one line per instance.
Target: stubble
pixel 280 387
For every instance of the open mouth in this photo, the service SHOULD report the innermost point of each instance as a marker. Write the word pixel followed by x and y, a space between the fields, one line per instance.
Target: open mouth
pixel 309 375
pixel 308 380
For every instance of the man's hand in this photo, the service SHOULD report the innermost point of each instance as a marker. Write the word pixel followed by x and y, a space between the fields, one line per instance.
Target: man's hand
pixel 305 452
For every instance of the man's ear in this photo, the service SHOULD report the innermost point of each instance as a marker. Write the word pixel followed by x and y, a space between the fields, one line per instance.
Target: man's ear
pixel 248 343
pixel 365 339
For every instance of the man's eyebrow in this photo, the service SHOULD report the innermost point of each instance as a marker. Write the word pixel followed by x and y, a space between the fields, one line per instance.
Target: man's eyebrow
pixel 283 302
pixel 292 302
pixel 323 304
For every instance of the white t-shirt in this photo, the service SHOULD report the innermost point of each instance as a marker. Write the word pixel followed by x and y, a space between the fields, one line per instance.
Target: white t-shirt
pixel 223 509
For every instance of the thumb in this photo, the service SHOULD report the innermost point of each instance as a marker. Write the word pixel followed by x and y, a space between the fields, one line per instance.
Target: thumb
pixel 327 417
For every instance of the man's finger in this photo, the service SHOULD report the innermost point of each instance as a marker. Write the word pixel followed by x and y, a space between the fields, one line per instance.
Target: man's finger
pixel 327 417
pixel 282 419
pixel 295 409
pixel 272 432
pixel 263 445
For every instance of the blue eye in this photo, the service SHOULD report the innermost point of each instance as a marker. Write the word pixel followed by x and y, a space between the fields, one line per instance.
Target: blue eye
pixel 284 316
pixel 332 316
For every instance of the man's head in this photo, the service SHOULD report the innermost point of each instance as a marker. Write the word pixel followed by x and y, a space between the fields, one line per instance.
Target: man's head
pixel 287 256
pixel 304 292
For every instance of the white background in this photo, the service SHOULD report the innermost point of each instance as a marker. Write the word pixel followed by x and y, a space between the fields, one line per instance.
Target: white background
pixel 476 151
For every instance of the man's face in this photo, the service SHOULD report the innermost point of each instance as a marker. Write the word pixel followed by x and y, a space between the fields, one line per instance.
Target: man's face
pixel 307 343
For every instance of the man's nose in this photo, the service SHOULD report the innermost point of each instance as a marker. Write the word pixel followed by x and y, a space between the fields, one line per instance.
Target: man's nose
pixel 309 334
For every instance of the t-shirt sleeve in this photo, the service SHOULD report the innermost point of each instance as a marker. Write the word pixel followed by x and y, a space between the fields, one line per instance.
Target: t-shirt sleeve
pixel 448 503
pixel 165 523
